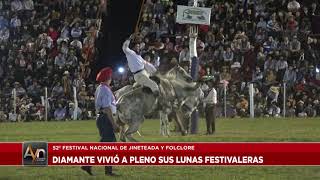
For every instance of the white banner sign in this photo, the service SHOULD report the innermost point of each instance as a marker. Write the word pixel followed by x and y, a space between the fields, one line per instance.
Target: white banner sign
pixel 193 15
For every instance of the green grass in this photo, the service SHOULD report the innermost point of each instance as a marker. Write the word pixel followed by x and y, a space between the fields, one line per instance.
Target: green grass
pixel 230 130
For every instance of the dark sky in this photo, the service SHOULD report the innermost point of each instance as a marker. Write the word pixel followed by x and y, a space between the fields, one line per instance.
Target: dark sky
pixel 119 24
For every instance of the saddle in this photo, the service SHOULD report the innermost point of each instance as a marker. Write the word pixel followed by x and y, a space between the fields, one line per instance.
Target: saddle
pixel 155 79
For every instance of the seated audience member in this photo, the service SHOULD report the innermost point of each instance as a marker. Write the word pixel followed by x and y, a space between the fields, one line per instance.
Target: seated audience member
pixel 60 112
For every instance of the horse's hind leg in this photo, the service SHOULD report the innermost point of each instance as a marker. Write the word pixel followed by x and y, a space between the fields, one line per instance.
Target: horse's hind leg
pixel 164 124
pixel 122 134
pixel 180 124
pixel 133 128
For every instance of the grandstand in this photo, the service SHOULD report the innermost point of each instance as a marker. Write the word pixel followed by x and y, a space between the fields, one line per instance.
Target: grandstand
pixel 51 46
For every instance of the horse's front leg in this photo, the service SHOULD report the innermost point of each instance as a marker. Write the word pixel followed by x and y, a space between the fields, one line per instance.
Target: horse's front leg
pixel 164 124
pixel 178 115
pixel 161 114
pixel 133 126
pixel 122 133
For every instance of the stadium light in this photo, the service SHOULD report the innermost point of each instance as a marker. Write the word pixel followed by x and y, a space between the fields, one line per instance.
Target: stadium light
pixel 121 70
pixel 317 70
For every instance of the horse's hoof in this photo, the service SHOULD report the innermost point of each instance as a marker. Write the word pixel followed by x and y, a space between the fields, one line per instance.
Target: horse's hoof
pixel 184 133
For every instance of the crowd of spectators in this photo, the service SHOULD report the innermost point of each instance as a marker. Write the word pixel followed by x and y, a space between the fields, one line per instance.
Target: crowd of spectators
pixel 259 42
pixel 52 44
pixel 47 44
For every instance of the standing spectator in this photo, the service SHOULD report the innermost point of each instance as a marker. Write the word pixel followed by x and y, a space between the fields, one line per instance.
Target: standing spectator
pixel 15 24
pixel 281 67
pixel 295 48
pixel 290 76
pixel 66 83
pixel 57 91
pixel 3 22
pixel 210 107
pixel 78 82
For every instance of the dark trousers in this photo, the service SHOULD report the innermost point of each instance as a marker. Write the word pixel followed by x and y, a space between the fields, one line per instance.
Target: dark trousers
pixel 210 113
pixel 106 133
pixel 105 128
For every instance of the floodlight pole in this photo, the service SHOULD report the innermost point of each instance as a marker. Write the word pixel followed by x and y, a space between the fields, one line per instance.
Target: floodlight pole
pixel 225 100
pixel 284 99
pixel 46 104
pixel 251 94
pixel 75 107
pixel 193 34
pixel 194 69
pixel 14 94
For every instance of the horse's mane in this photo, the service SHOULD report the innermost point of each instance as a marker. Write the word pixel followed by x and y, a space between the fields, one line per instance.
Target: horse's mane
pixel 171 73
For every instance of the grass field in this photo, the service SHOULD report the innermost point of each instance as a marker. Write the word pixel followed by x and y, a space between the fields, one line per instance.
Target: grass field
pixel 227 130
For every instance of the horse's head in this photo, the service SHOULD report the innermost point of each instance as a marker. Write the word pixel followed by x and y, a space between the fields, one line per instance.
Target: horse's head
pixel 178 73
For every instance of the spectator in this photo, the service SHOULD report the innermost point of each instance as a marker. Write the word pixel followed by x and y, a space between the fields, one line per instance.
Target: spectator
pixel 300 109
pixel 60 61
pixel 281 67
pixel 4 35
pixel 57 91
pixel 72 113
pixel 295 48
pixel 16 5
pixel 290 76
pixel 228 56
pixel 242 106
pixel 20 91
pixel 76 31
pixel 262 24
pixel 184 55
pixel 66 84
pixel 60 113
pixel 274 110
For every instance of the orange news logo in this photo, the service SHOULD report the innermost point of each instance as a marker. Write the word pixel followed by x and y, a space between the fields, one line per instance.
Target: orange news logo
pixel 34 155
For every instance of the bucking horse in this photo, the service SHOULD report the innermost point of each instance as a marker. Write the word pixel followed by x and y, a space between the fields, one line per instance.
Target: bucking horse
pixel 178 95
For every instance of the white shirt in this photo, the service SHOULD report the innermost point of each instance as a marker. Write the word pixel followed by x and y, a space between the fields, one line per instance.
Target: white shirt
pixel 65 32
pixel 184 56
pixel 211 97
pixel 16 5
pixel 15 22
pixel 4 34
pixel 150 68
pixel 28 5
pixel 204 87
pixel 280 65
pixel 135 61
pixel 76 43
pixel 76 32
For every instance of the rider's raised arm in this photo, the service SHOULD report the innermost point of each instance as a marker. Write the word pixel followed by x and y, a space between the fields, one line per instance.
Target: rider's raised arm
pixel 125 46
